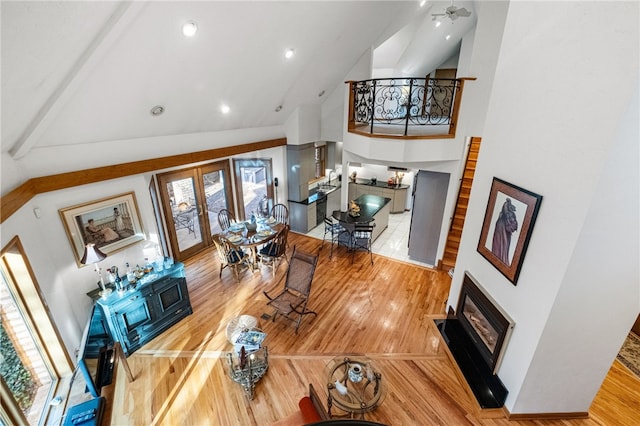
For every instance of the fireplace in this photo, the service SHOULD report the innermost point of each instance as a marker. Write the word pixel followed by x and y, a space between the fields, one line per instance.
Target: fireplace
pixel 486 323
pixel 477 334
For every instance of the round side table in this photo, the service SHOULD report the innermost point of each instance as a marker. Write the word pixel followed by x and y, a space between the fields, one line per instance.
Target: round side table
pixel 354 385
pixel 238 324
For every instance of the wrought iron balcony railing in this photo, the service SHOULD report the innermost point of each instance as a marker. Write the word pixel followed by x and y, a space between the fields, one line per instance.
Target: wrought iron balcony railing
pixel 419 108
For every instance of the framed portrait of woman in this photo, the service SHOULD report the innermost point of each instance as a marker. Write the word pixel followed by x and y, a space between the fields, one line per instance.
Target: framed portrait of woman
pixel 508 223
pixel 111 224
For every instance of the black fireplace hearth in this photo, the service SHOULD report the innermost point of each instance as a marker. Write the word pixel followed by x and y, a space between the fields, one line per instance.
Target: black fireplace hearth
pixel 476 335
pixel 486 387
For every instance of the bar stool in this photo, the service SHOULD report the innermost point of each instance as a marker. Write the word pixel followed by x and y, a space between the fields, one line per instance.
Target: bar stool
pixel 334 229
pixel 361 239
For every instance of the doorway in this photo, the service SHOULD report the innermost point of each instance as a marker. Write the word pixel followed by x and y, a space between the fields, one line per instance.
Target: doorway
pixel 191 200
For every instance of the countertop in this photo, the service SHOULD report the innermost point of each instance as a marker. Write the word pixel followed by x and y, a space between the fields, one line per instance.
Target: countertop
pixel 379 184
pixel 370 205
pixel 315 196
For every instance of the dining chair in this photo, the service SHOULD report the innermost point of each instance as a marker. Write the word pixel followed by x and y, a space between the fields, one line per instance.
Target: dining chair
pixel 281 213
pixel 361 237
pixel 292 300
pixel 272 253
pixel 230 256
pixel 225 218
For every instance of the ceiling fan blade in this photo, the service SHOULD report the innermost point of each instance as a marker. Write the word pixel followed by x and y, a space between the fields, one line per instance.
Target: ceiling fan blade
pixel 463 12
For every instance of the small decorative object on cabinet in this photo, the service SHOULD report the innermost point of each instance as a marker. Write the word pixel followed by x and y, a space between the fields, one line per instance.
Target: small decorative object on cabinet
pixel 137 315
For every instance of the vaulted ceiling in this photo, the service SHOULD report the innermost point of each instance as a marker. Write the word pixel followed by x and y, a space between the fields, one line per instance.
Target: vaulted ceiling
pixel 76 72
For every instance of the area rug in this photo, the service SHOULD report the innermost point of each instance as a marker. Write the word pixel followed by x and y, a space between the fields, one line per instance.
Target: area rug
pixel 630 354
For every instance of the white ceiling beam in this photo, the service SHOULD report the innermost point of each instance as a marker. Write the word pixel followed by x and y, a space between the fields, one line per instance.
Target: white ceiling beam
pixel 118 23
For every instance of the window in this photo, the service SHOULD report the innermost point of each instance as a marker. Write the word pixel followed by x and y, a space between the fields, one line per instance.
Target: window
pixel 254 187
pixel 33 358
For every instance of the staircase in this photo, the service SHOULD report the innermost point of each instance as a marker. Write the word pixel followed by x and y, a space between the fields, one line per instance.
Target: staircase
pixel 455 230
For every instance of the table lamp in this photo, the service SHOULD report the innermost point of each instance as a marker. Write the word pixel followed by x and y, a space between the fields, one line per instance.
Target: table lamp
pixel 93 255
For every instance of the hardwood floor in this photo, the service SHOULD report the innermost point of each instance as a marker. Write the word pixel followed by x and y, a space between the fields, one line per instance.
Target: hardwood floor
pixel 384 311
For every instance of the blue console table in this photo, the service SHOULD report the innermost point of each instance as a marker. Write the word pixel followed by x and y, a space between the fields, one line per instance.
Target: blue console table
pixel 138 314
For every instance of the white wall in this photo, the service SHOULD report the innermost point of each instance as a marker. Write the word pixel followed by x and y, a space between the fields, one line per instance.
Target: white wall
pixel 478 57
pixel 599 298
pixel 303 125
pixel 332 112
pixel 556 144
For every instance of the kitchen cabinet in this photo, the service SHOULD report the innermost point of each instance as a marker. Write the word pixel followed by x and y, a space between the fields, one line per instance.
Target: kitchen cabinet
pixel 299 212
pixel 397 194
pixel 135 316
pixel 311 216
pixel 300 170
pixel 399 200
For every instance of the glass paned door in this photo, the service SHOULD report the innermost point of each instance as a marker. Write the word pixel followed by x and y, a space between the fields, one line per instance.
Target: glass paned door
pixel 182 205
pixel 217 189
pixel 191 200
pixel 254 187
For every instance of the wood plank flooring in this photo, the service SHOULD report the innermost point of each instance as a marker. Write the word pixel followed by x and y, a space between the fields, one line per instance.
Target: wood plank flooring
pixel 384 312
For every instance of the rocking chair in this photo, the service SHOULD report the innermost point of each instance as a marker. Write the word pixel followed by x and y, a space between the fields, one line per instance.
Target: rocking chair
pixel 291 303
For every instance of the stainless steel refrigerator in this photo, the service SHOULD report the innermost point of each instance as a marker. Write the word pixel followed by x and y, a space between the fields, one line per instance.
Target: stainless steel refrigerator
pixel 429 198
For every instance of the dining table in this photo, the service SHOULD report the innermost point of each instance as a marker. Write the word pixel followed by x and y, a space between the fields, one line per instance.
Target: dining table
pixel 239 235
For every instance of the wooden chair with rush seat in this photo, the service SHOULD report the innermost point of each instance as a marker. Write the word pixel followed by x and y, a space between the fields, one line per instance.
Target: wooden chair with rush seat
pixel 291 302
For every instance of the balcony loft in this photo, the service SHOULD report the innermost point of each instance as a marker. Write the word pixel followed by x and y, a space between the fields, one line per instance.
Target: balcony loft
pixel 405 108
pixel 389 118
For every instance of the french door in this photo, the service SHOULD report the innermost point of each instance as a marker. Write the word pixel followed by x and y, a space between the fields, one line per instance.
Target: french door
pixel 191 200
pixel 254 187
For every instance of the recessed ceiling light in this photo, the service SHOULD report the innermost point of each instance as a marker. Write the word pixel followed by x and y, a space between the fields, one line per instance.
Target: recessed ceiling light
pixel 423 2
pixel 448 36
pixel 225 109
pixel 189 29
pixel 288 53
pixel 438 23
pixel 157 110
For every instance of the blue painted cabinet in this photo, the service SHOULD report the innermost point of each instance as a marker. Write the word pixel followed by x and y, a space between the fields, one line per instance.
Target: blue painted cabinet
pixel 137 315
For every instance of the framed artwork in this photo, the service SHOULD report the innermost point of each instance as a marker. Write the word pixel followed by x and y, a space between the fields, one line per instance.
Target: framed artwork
pixel 112 224
pixel 508 223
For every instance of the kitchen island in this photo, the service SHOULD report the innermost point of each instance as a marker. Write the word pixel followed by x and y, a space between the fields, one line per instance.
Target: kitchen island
pixel 373 208
pixel 397 193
